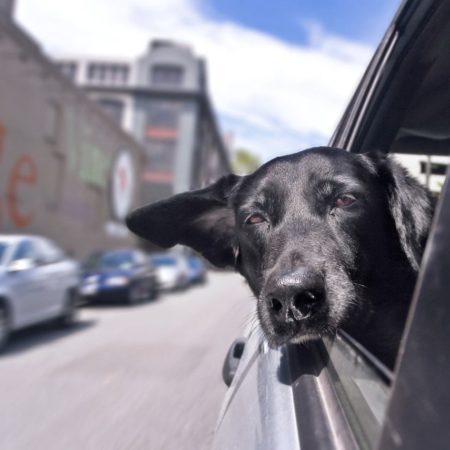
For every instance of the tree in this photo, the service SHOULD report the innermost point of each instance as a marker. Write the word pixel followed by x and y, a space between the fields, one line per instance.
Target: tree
pixel 244 162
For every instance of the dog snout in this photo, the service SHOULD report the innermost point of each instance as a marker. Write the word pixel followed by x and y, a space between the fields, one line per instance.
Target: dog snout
pixel 295 296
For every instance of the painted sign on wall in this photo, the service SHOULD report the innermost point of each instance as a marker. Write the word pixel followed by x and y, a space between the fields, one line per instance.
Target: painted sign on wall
pixel 22 174
pixel 122 185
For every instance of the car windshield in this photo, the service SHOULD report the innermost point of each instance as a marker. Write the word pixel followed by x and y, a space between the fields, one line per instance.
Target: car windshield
pixel 159 261
pixel 112 260
pixel 194 263
pixel 3 247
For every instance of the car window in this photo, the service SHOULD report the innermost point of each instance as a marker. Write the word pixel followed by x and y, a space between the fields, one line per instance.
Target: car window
pixel 48 252
pixel 164 261
pixel 362 386
pixel 3 248
pixel 110 260
pixel 24 250
pixel 140 258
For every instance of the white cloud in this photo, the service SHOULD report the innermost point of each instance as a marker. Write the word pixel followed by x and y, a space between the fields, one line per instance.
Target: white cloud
pixel 274 94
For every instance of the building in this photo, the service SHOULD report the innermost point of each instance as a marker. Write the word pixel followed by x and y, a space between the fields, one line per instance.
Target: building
pixel 430 170
pixel 6 8
pixel 67 171
pixel 162 100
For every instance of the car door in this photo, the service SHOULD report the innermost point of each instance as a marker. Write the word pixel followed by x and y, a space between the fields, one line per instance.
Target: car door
pixel 27 290
pixel 56 274
pixel 143 271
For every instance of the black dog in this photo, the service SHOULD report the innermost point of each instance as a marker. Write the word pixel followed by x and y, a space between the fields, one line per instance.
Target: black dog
pixel 326 240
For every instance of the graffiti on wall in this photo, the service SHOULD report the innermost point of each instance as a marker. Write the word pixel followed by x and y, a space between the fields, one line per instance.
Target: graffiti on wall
pixel 22 175
pixel 85 159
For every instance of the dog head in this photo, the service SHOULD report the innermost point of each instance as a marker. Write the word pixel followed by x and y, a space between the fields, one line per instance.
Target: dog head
pixel 311 232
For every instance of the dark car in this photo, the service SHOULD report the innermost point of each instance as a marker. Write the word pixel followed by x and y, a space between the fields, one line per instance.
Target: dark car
pixel 196 270
pixel 118 275
pixel 335 394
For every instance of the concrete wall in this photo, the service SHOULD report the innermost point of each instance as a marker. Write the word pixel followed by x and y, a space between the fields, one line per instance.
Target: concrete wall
pixel 57 155
pixel 7 8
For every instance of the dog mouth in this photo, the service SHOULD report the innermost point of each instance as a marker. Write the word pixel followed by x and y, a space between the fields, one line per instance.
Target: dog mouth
pixel 278 339
pixel 310 327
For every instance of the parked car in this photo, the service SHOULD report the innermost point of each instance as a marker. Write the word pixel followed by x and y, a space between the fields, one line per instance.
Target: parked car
pixel 118 275
pixel 38 282
pixel 172 270
pixel 335 394
pixel 196 270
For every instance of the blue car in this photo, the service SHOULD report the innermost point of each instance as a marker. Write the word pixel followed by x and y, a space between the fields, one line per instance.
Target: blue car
pixel 124 275
pixel 196 270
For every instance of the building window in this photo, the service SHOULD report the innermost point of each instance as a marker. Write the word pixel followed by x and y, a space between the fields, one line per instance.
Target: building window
pixel 166 75
pixel 69 70
pixel 162 120
pixel 114 108
pixel 435 168
pixel 160 155
pixel 108 73
pixel 163 117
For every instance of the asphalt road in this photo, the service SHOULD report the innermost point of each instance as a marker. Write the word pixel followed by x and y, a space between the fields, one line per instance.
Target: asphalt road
pixel 142 377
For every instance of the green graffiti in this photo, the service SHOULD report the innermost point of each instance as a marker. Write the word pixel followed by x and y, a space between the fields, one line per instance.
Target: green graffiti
pixel 94 165
pixel 85 159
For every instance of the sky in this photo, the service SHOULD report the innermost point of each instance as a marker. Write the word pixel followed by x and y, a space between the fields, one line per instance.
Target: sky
pixel 280 72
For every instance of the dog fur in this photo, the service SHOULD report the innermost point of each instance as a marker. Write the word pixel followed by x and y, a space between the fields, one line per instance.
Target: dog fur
pixel 326 240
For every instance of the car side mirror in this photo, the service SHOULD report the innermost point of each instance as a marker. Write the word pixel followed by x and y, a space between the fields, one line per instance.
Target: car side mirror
pixel 232 360
pixel 19 265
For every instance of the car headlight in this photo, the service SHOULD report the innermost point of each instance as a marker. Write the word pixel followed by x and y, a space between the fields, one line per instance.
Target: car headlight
pixel 117 281
pixel 91 279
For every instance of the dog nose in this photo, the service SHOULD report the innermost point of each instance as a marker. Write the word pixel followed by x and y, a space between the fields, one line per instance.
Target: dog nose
pixel 296 296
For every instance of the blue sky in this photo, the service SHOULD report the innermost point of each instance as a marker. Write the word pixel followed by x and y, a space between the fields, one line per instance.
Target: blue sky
pixel 360 20
pixel 280 72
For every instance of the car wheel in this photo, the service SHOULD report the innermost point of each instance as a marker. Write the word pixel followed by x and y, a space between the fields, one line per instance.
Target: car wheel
pixel 70 311
pixel 5 327
pixel 134 294
pixel 153 293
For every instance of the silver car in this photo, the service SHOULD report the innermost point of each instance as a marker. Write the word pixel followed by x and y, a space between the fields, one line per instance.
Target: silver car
pixel 172 270
pixel 37 283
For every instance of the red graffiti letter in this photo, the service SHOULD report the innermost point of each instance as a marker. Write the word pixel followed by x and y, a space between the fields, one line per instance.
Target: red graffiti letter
pixel 23 172
pixel 2 147
pixel 2 138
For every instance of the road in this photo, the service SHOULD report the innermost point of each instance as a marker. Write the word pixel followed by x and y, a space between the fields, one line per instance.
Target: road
pixel 142 377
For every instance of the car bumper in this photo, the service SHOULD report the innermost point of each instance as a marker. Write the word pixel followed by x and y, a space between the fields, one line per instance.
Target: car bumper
pixel 106 293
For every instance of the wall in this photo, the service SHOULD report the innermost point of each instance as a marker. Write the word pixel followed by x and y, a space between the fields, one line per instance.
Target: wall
pixel 58 155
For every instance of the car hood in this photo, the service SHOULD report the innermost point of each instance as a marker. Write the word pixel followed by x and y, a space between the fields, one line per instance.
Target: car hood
pixel 108 273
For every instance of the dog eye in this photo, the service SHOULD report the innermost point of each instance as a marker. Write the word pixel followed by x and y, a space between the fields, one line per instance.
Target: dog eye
pixel 254 219
pixel 345 200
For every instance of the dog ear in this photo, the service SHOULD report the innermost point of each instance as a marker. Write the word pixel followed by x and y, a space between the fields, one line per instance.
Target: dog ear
pixel 410 203
pixel 201 219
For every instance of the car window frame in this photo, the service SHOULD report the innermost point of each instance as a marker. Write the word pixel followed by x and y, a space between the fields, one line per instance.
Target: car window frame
pixel 44 247
pixel 402 34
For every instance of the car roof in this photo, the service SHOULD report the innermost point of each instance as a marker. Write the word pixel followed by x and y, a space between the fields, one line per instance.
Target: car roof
pixel 13 238
pixel 115 250
pixel 166 255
